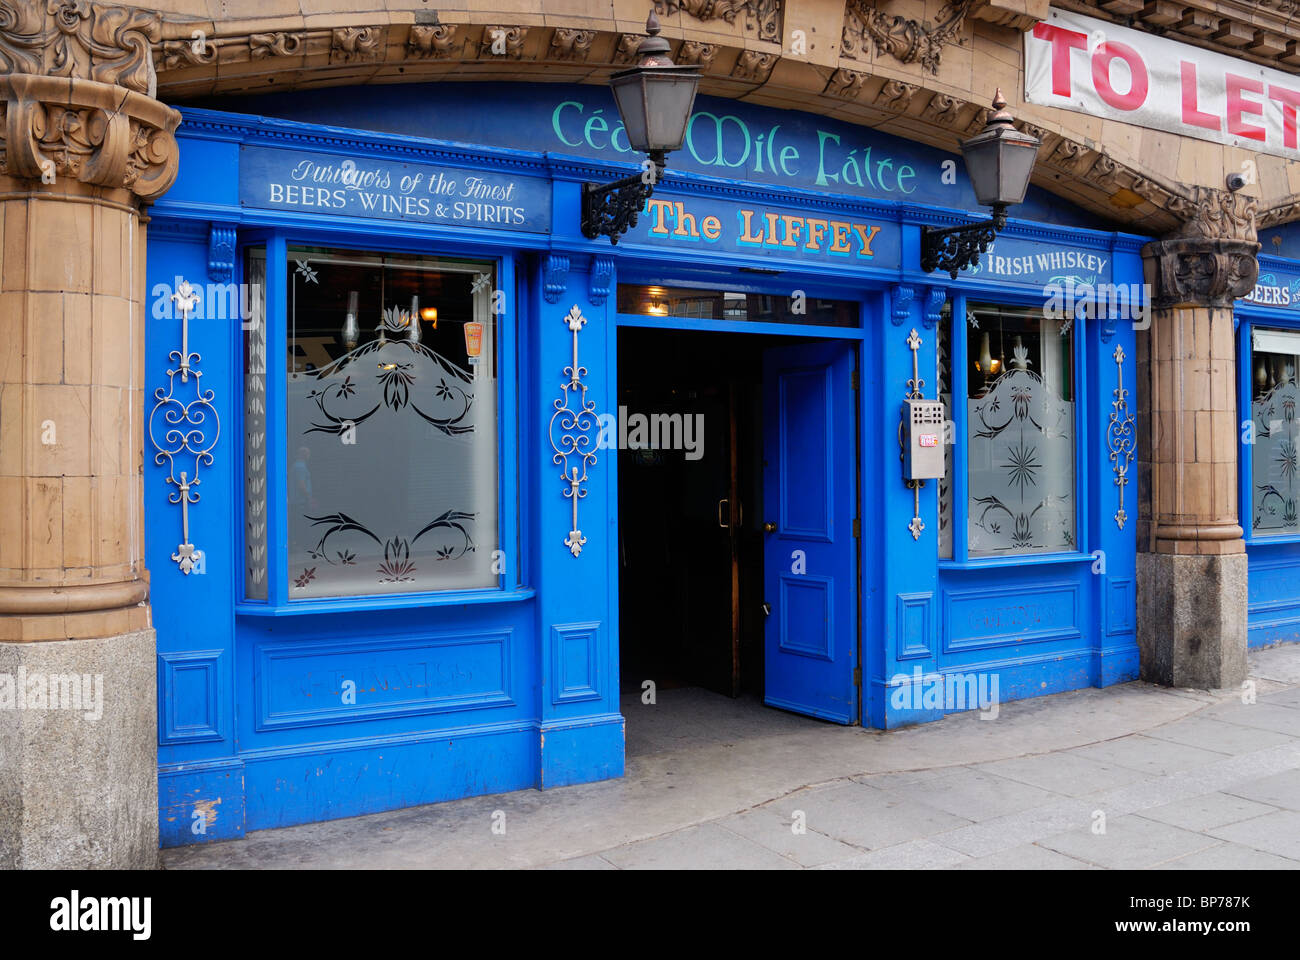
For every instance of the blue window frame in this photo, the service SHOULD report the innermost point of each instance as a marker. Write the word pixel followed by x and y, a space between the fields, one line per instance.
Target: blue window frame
pixel 1012 380
pixel 1269 356
pixel 420 363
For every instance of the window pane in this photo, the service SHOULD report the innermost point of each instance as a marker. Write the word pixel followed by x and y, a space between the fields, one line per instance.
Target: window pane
pixel 648 300
pixel 1273 456
pixel 255 425
pixel 392 427
pixel 1020 432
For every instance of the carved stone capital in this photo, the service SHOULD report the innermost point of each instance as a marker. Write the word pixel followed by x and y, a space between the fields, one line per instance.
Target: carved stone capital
pixel 80 40
pixel 77 87
pixel 95 133
pixel 1216 214
pixel 1200 271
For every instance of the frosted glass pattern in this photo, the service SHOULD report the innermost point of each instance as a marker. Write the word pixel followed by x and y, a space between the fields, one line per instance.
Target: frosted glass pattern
pixel 1020 434
pixel 1273 456
pixel 392 424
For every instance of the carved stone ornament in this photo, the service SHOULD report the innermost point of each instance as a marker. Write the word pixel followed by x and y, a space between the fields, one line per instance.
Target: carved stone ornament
pixel 1198 271
pixel 569 43
pixel 76 97
pixel 907 41
pixel 432 41
pixel 81 40
pixel 765 15
pixel 1216 214
pixel 89 132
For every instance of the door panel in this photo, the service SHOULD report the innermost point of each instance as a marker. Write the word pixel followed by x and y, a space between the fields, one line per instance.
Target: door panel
pixel 810 559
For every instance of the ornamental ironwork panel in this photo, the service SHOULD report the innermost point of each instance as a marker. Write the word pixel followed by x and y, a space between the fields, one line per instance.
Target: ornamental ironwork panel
pixel 179 430
pixel 573 432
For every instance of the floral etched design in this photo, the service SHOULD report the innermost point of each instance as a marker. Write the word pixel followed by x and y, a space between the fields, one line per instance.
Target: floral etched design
pixel 1021 465
pixel 1275 460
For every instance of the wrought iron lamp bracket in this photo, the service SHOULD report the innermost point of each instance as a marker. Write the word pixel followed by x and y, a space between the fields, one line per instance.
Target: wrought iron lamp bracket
pixel 955 248
pixel 611 209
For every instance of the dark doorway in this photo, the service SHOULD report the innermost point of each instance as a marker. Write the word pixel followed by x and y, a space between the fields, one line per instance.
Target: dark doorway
pixel 690 523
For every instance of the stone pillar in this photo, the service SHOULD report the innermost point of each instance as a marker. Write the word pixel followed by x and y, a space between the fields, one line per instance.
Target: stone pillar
pixel 1192 559
pixel 84 144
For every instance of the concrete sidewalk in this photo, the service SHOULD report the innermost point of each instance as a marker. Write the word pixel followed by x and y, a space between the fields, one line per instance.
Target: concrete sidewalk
pixel 1132 776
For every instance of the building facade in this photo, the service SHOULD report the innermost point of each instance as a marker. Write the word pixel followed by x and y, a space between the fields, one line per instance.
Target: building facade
pixel 359 477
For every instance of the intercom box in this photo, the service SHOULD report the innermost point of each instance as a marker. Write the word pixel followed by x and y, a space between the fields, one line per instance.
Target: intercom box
pixel 923 439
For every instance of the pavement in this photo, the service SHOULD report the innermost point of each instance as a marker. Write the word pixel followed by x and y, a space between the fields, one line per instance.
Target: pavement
pixel 1132 776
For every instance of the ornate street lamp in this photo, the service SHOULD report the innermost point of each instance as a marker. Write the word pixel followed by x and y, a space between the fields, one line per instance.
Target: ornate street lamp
pixel 999 161
pixel 654 99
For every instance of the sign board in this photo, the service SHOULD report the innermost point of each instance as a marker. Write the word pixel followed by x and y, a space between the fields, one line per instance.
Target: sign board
pixel 764 230
pixel 1099 68
pixel 360 186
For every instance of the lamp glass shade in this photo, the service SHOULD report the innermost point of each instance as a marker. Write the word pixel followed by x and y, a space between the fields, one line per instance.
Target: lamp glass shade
pixel 655 104
pixel 999 162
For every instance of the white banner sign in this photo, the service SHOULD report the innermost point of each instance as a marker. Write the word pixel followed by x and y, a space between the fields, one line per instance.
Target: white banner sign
pixel 1099 68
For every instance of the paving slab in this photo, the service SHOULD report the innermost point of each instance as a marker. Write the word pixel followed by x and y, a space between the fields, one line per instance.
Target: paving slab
pixel 772 826
pixel 704 847
pixel 1231 856
pixel 1277 833
pixel 1217 735
pixel 1207 811
pixel 974 794
pixel 912 855
pixel 867 817
pixel 1027 856
pixel 1279 790
pixel 1128 843
pixel 1063 773
pixel 1156 758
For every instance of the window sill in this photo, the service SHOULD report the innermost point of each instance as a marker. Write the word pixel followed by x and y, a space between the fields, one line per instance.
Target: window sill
pixel 1019 560
pixel 1279 540
pixel 369 603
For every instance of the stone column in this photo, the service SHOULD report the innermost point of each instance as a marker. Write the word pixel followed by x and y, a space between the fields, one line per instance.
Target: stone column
pixel 1192 559
pixel 84 144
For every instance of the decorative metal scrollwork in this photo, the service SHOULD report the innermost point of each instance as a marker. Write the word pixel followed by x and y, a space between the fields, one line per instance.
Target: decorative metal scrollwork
pixel 186 432
pixel 571 432
pixel 1121 438
pixel 954 248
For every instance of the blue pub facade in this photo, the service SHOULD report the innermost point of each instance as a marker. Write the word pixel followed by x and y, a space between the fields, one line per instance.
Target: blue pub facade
pixel 456 503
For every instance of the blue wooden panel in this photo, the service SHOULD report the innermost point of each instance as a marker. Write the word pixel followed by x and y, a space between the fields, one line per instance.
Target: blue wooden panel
pixel 203 803
pixel 575 662
pixel 304 684
pixel 914 615
pixel 1029 613
pixel 1121 605
pixel 189 696
pixel 804 496
pixel 807 612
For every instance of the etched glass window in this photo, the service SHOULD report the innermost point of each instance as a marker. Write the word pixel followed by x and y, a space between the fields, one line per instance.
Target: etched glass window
pixel 1020 432
pixel 392 423
pixel 1275 358
pixel 254 328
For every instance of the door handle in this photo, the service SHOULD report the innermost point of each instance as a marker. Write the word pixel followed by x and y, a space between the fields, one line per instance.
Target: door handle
pixel 724 526
pixel 767 609
pixel 769 527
